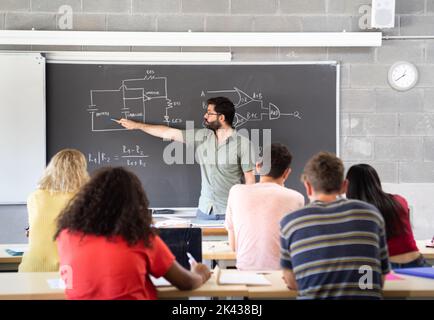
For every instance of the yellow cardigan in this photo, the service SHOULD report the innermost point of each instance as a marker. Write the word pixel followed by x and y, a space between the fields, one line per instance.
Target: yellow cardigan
pixel 43 209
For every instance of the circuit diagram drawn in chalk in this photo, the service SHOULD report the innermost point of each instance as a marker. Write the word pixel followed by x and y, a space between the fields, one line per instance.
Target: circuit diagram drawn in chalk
pixel 135 99
pixel 251 108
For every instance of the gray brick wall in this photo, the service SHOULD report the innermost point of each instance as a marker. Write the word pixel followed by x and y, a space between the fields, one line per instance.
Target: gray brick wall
pixel 54 5
pixel 205 6
pixel 394 131
pixel 156 6
pixel 15 5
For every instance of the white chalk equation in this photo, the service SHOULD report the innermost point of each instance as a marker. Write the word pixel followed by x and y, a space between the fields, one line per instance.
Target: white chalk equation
pixel 128 156
pixel 135 99
pixel 251 107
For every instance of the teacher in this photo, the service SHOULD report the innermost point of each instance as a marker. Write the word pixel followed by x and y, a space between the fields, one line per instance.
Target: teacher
pixel 224 156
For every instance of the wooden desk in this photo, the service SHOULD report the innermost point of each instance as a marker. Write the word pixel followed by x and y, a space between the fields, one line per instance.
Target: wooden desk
pixel 217 250
pixel 29 286
pixel 408 287
pixel 214 231
pixel 8 262
pixel 209 289
pixel 35 286
pixel 5 257
pixel 428 253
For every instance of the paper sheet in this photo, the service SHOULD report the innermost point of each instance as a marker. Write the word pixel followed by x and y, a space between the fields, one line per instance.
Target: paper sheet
pixel 392 276
pixel 247 278
pixel 167 223
pixel 56 283
pixel 160 282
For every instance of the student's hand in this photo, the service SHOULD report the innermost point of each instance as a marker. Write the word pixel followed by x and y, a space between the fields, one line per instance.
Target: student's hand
pixel 202 270
pixel 129 124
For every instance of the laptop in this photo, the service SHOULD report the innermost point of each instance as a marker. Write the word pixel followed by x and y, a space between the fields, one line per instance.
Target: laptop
pixel 183 240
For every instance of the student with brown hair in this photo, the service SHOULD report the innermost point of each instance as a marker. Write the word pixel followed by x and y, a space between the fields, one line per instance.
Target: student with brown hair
pixel 63 177
pixel 334 248
pixel 108 248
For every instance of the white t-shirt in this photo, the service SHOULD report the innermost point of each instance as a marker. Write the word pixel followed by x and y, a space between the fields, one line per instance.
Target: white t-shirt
pixel 253 215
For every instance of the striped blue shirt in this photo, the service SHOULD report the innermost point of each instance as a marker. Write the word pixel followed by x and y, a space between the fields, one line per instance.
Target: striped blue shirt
pixel 336 250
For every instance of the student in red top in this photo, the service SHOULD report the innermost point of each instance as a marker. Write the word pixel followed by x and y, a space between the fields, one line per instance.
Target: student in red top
pixel 365 185
pixel 107 246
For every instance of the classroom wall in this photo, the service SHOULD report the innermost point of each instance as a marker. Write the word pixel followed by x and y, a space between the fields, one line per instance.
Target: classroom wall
pixel 392 131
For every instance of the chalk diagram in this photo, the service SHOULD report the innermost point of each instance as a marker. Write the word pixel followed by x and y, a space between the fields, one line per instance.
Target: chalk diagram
pixel 250 108
pixel 131 156
pixel 135 99
pixel 147 98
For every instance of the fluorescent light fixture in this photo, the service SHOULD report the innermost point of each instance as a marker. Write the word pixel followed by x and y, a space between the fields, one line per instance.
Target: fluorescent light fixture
pixel 191 39
pixel 90 57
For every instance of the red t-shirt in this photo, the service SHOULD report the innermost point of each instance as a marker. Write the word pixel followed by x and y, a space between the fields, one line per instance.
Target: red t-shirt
pixel 94 267
pixel 405 242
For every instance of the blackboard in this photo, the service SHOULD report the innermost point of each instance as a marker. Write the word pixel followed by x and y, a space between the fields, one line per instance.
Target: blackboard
pixel 298 102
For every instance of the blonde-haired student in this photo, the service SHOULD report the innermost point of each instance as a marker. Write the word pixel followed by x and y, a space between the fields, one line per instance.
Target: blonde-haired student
pixel 62 178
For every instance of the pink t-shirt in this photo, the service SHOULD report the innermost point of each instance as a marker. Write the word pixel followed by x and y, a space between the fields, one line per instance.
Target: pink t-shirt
pixel 253 215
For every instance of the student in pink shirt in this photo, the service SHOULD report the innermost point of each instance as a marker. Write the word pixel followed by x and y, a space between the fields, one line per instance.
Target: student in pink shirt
pixel 254 212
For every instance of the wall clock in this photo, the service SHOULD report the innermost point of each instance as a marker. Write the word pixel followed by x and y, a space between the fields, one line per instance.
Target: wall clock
pixel 403 75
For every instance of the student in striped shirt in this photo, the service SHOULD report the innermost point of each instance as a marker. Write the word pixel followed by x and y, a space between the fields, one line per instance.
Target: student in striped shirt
pixel 333 248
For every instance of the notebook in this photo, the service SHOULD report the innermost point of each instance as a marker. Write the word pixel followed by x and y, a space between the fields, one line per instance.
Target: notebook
pixel 17 251
pixel 426 272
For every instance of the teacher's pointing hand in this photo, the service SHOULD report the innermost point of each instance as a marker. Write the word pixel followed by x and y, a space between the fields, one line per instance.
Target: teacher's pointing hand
pixel 129 124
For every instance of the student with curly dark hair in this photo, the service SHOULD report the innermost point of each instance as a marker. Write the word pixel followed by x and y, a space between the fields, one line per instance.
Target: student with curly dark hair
pixel 107 246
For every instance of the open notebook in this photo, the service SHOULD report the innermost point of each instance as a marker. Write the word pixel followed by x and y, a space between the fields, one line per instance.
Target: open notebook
pixel 243 277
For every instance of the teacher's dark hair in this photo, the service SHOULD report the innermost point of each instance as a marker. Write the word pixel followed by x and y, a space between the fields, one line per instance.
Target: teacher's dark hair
pixel 113 203
pixel 224 106
pixel 364 184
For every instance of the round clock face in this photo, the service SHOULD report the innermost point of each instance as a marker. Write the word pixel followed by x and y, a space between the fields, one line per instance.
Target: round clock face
pixel 402 75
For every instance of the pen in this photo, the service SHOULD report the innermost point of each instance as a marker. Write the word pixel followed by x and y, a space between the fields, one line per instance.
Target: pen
pixel 114 120
pixel 191 259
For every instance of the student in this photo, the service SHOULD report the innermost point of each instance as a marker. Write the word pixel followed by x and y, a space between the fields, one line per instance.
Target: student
pixel 108 248
pixel 224 155
pixel 62 178
pixel 334 248
pixel 365 185
pixel 254 212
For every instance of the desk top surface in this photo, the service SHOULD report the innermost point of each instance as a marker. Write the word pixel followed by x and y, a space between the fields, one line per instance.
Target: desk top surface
pixel 6 257
pixel 35 286
pixel 211 250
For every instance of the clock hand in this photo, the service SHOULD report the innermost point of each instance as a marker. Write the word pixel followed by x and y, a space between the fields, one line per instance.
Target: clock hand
pixel 401 77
